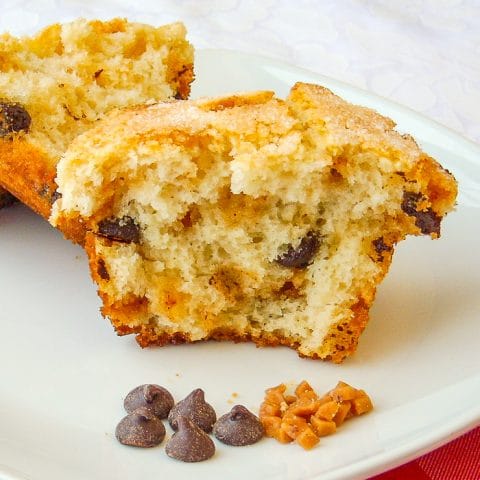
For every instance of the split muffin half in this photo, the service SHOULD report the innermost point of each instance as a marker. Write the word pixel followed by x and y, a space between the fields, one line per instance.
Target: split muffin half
pixel 248 217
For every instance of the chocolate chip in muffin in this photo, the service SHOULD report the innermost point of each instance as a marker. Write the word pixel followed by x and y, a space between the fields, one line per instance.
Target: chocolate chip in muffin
pixel 426 220
pixel 410 201
pixel 190 443
pixel 55 196
pixel 103 272
pixel 239 427
pixel 380 247
pixel 301 256
pixel 49 192
pixel 123 229
pixel 6 199
pixel 13 118
pixel 195 408
pixel 141 428
pixel 154 397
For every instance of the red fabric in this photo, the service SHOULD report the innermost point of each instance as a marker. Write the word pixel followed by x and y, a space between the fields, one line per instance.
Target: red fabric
pixel 458 460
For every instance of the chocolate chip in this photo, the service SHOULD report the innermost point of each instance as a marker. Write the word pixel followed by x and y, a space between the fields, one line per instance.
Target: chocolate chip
pixel 6 199
pixel 189 443
pixel 154 397
pixel 123 229
pixel 410 201
pixel 426 220
pixel 55 196
pixel 46 192
pixel 301 256
pixel 13 118
pixel 103 272
pixel 141 428
pixel 381 247
pixel 239 427
pixel 195 409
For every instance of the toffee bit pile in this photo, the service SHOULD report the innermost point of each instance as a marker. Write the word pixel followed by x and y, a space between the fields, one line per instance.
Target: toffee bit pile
pixel 305 416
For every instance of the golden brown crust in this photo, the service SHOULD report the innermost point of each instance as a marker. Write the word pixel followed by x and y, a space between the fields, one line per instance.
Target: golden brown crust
pixel 28 174
pixel 340 342
pixel 342 338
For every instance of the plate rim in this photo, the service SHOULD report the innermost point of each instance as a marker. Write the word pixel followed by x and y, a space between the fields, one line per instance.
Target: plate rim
pixel 392 458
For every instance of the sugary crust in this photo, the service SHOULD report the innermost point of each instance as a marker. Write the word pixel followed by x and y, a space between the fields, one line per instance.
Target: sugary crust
pixel 345 124
pixel 349 124
pixel 27 171
pixel 129 125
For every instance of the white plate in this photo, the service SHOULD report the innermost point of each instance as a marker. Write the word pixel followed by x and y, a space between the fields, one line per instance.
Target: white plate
pixel 63 372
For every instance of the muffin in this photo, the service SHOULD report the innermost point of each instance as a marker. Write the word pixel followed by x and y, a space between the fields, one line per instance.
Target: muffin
pixel 58 83
pixel 248 217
